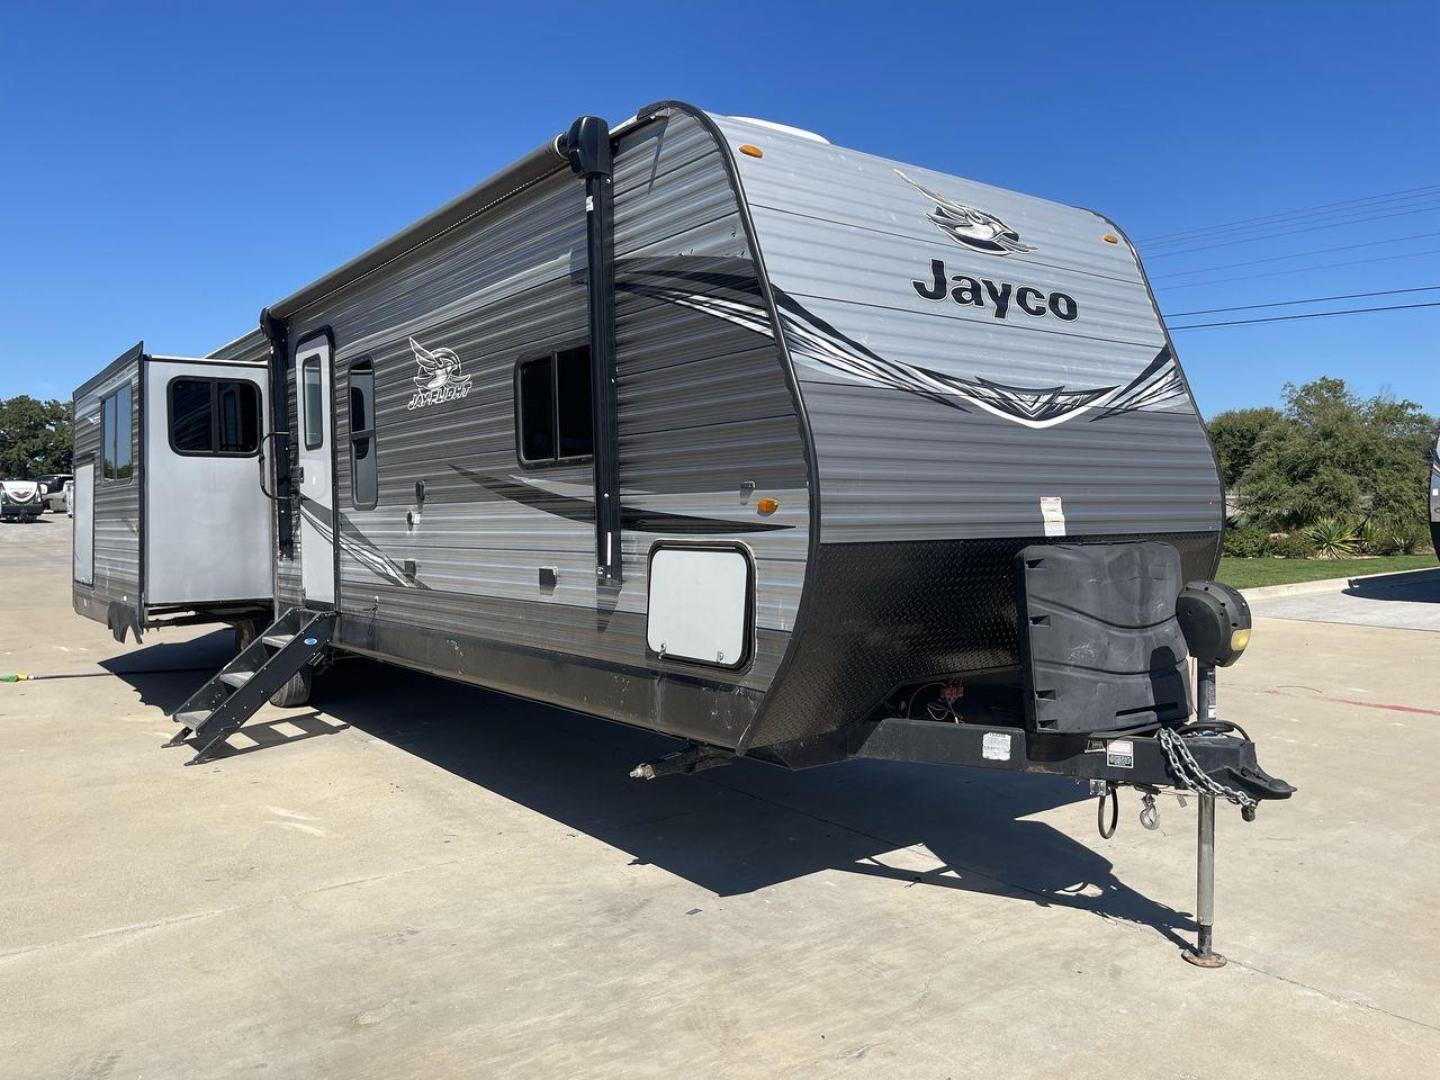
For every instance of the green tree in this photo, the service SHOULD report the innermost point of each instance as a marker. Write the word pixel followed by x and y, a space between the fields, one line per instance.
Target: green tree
pixel 1235 435
pixel 35 437
pixel 1335 455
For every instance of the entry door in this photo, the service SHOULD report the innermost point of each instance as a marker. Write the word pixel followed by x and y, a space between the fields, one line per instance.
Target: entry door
pixel 82 519
pixel 317 500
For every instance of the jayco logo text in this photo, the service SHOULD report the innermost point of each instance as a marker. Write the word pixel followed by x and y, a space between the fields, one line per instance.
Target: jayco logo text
pixel 1002 297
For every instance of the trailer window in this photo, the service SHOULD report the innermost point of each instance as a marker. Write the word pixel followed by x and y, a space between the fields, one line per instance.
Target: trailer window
pixel 213 417
pixel 364 476
pixel 116 429
pixel 553 408
pixel 314 418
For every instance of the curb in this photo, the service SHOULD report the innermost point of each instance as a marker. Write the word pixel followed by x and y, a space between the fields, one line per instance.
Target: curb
pixel 1393 580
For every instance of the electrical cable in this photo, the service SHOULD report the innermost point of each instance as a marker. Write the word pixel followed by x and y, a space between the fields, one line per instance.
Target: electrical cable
pixel 1297 255
pixel 1312 315
pixel 1412 193
pixel 1295 232
pixel 1332 217
pixel 1301 269
pixel 1306 300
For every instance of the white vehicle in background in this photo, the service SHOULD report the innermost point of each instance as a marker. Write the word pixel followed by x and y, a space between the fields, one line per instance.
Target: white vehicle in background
pixel 52 490
pixel 20 500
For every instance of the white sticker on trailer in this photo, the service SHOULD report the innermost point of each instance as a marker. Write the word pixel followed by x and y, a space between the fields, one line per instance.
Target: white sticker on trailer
pixel 1120 754
pixel 1052 512
pixel 995 746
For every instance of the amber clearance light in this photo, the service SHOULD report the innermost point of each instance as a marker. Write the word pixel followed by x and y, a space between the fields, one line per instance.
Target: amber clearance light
pixel 767 505
pixel 751 151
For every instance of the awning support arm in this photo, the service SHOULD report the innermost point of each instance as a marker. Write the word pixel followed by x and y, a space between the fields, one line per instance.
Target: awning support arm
pixel 587 147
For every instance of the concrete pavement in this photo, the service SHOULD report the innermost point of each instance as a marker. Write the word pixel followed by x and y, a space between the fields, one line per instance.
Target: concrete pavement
pixel 421 879
pixel 1409 600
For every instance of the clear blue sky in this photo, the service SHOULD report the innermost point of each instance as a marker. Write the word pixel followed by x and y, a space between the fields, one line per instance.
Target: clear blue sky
pixel 168 169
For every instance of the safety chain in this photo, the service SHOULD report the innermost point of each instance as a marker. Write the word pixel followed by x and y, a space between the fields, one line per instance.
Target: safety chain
pixel 1187 770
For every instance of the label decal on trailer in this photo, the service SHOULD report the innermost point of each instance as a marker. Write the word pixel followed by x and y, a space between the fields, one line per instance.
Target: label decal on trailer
pixel 1052 512
pixel 995 746
pixel 1120 754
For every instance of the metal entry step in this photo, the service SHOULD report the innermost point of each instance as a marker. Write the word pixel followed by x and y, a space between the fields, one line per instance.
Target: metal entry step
pixel 237 690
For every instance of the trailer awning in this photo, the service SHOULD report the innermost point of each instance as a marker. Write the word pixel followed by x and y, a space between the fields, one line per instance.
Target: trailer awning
pixel 533 167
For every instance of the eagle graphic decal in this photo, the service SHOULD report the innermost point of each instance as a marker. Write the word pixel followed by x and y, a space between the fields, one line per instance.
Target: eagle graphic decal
pixel 438 376
pixel 973 228
pixel 438 367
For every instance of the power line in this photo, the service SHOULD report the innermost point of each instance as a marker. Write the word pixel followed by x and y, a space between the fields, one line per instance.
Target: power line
pixel 1312 315
pixel 1353 205
pixel 1298 255
pixel 1300 269
pixel 1311 219
pixel 1306 300
pixel 1320 219
pixel 1410 192
pixel 1296 232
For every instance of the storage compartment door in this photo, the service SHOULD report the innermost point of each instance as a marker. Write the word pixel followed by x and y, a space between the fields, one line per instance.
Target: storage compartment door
pixel 700 604
pixel 82 521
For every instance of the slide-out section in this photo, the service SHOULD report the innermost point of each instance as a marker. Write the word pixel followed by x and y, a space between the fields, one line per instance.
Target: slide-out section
pixel 207 527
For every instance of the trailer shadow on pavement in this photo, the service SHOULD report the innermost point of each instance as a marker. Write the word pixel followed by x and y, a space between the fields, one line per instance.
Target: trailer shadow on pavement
pixel 733 830
pixel 1412 586
pixel 165 674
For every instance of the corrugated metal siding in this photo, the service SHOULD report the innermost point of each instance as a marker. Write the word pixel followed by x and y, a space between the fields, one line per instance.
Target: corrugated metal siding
pixel 704 405
pixel 845 237
pixel 117 502
pixel 703 408
pixel 250 346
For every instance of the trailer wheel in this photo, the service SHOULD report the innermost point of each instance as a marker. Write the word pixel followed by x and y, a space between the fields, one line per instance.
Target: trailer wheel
pixel 246 631
pixel 296 691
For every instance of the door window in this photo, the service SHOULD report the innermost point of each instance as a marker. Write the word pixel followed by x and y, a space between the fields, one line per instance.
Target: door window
pixel 312 403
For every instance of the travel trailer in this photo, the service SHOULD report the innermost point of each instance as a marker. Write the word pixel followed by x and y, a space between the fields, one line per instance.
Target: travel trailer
pixel 704 425
pixel 170 525
pixel 21 500
pixel 1435 498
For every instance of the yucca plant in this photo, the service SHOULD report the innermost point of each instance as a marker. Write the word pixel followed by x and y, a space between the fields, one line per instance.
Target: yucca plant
pixel 1379 538
pixel 1334 538
pixel 1409 539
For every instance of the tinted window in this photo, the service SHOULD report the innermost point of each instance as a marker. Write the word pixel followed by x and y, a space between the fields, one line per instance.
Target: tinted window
pixel 314 418
pixel 364 474
pixel 537 411
pixel 116 426
pixel 238 417
pixel 214 416
pixel 190 416
pixel 572 370
pixel 554 407
pixel 124 427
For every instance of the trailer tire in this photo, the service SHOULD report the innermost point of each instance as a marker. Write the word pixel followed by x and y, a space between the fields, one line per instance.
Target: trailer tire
pixel 246 631
pixel 296 691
